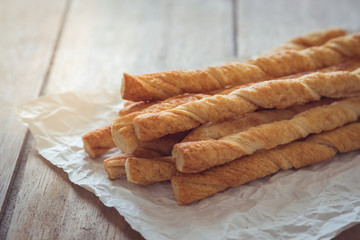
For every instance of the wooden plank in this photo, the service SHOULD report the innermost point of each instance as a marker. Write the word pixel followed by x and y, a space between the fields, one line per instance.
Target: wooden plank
pixel 26 46
pixel 100 41
pixel 104 40
pixel 263 25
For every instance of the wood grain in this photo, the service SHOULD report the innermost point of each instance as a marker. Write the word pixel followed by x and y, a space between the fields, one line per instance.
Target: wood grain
pixel 101 41
pixel 280 20
pixel 98 43
pixel 26 47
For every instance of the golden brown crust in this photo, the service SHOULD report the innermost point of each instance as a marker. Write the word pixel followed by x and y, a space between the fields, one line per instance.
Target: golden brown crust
pixel 188 188
pixel 98 141
pixel 159 86
pixel 130 107
pixel 343 141
pixel 122 129
pixel 206 132
pixel 269 94
pixel 311 39
pixel 243 122
pixel 115 166
pixel 147 171
pixel 99 145
pixel 198 156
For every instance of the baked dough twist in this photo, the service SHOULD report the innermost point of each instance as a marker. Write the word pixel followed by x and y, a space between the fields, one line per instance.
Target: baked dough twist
pixel 198 156
pixel 115 166
pixel 99 141
pixel 188 188
pixel 311 39
pixel 148 170
pixel 122 129
pixel 158 86
pixel 268 94
pixel 214 131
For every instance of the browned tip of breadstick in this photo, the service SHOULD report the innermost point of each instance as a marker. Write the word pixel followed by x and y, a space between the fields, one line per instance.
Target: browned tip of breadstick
pixel 98 141
pixel 115 166
pixel 147 171
pixel 123 142
pixel 133 88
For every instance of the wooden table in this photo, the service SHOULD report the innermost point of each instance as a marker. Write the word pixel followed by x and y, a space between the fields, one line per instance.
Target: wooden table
pixel 66 45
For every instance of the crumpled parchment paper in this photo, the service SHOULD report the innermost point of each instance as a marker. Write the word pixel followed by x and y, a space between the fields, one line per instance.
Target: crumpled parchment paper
pixel 315 202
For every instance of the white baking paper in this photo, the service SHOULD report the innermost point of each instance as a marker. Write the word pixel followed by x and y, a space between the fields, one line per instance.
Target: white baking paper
pixel 315 202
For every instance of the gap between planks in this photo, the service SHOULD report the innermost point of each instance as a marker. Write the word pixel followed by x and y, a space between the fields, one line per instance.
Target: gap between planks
pixel 6 210
pixel 234 4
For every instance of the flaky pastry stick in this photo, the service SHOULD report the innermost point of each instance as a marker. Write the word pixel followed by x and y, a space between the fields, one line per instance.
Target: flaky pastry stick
pixel 188 188
pixel 122 130
pixel 158 86
pixel 197 156
pixel 307 40
pixel 115 166
pixel 99 141
pixel 150 170
pixel 268 94
pixel 146 171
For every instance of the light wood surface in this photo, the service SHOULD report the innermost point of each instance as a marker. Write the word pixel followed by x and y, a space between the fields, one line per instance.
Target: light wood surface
pixel 68 45
pixel 26 47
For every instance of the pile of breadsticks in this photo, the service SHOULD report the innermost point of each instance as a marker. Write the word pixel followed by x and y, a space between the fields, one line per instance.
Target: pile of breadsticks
pixel 210 129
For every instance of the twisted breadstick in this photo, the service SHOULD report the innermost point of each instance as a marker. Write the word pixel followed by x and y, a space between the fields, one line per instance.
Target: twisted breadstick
pixel 146 171
pixel 201 155
pixel 98 141
pixel 269 94
pixel 188 188
pixel 122 129
pixel 115 166
pixel 130 107
pixel 150 170
pixel 157 86
pixel 311 39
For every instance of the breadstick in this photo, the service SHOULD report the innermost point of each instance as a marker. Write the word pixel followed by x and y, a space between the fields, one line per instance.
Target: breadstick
pixel 188 188
pixel 115 166
pixel 311 39
pixel 146 171
pixel 130 107
pixel 198 156
pixel 98 141
pixel 268 94
pixel 242 122
pixel 122 129
pixel 158 86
